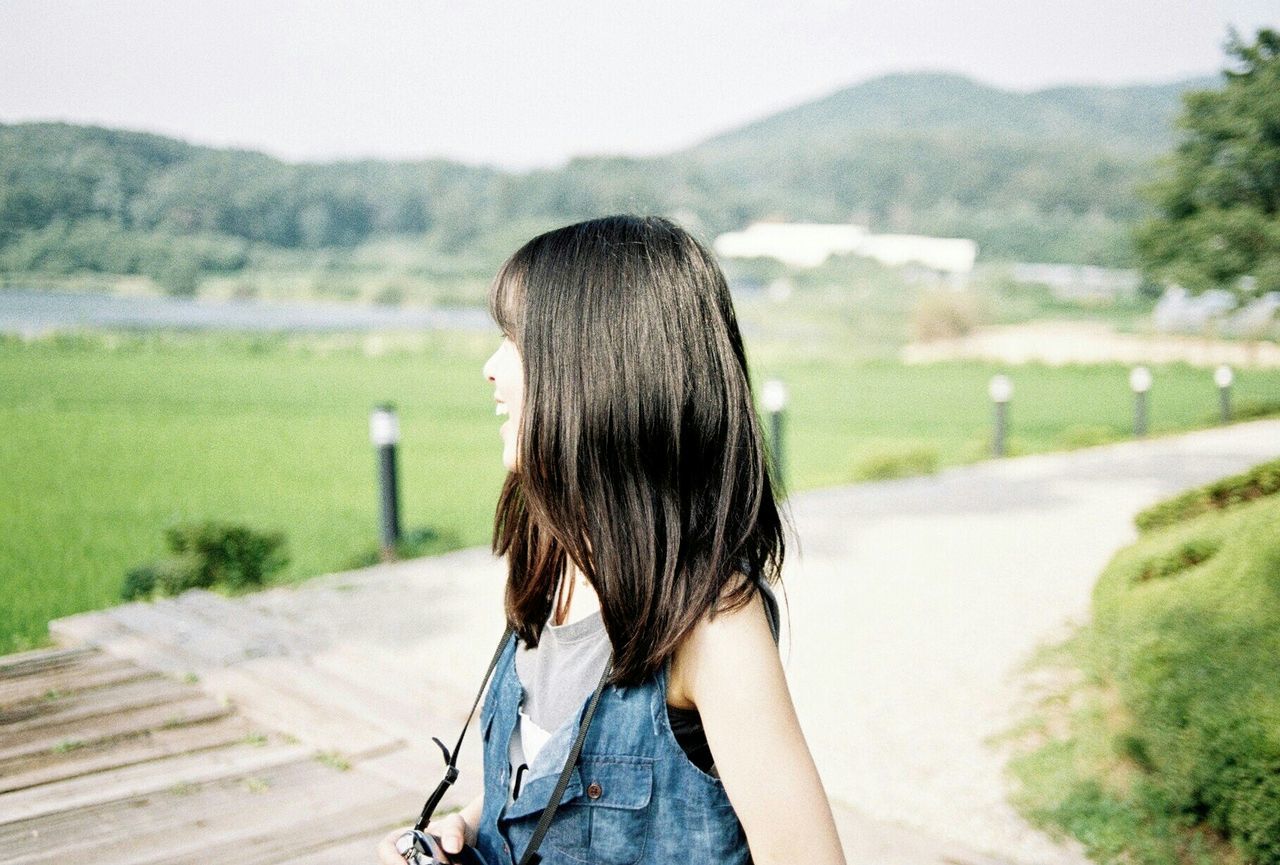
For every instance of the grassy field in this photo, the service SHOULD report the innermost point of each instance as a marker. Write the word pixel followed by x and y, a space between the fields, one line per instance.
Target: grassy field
pixel 103 447
pixel 107 439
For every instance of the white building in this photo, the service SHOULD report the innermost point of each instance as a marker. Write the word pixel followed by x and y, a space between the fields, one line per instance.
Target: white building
pixel 799 244
pixel 802 244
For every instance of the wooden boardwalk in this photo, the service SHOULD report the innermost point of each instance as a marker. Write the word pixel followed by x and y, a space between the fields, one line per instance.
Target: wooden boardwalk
pixel 173 732
pixel 290 725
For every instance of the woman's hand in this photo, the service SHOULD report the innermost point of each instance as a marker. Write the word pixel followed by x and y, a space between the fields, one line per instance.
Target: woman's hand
pixel 451 829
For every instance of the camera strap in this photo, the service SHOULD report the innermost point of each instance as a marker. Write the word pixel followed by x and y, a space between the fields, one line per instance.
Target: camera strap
pixel 530 856
pixel 451 760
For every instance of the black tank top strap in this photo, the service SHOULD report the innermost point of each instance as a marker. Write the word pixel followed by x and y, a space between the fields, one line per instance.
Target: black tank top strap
pixel 770 603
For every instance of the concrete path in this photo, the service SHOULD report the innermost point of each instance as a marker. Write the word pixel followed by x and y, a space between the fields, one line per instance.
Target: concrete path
pixel 913 601
pixel 910 603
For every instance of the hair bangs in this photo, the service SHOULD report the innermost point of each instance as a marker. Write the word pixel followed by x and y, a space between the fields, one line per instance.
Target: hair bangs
pixel 506 295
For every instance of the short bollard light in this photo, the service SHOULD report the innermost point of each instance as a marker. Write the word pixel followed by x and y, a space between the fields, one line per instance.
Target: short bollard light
pixel 774 397
pixel 1000 389
pixel 1140 383
pixel 384 432
pixel 1222 377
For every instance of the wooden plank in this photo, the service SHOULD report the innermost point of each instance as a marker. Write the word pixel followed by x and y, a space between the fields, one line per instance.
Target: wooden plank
pixel 263 702
pixel 421 769
pixel 385 672
pixel 361 850
pixel 272 700
pixel 308 717
pixel 144 778
pixel 151 691
pixel 195 707
pixel 117 822
pixel 260 817
pixel 102 631
pixel 94 670
pixel 361 820
pixel 193 734
pixel 166 623
pixel 374 708
pixel 263 634
pixel 100 671
pixel 40 660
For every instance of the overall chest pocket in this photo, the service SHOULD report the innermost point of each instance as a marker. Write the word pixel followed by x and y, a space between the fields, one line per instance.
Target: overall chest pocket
pixel 608 822
pixel 606 818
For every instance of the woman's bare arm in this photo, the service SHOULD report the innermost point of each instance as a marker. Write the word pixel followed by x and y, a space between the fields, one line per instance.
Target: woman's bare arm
pixel 729 669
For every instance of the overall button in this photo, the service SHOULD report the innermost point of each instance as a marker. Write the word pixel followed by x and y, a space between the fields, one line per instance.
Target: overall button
pixel 594 791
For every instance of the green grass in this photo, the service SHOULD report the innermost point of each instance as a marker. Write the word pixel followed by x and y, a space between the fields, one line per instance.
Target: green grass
pixel 102 448
pixel 847 413
pixel 107 439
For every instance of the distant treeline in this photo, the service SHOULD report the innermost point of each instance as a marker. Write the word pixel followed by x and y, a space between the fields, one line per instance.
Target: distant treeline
pixel 1046 176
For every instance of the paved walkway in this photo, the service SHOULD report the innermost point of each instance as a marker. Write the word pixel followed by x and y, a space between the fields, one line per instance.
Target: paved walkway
pixel 914 600
pixel 910 603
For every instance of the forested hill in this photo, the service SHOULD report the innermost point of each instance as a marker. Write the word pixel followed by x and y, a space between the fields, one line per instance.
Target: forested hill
pixel 1050 175
pixel 940 105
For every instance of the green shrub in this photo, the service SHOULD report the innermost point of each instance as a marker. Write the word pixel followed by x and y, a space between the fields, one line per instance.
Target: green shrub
pixel 1186 555
pixel 944 314
pixel 1252 408
pixel 245 290
pixel 1261 480
pixel 1086 435
pixel 980 447
pixel 180 277
pixel 888 464
pixel 169 576
pixel 206 554
pixel 139 582
pixel 391 294
pixel 415 542
pixel 232 555
pixel 1254 815
pixel 335 286
pixel 1196 666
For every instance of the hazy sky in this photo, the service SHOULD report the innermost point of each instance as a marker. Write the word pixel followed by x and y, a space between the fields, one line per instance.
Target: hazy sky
pixel 529 83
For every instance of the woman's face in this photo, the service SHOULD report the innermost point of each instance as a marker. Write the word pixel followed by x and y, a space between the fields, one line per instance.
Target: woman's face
pixel 506 370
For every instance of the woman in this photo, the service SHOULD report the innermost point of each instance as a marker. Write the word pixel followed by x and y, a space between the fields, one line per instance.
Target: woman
pixel 639 525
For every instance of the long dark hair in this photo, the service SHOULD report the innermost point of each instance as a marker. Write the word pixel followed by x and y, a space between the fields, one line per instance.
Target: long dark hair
pixel 641 457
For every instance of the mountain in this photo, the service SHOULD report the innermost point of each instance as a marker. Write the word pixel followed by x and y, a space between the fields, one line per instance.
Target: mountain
pixel 1135 118
pixel 1051 175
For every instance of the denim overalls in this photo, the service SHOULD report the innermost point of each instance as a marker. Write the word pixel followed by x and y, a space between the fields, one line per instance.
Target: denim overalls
pixel 634 796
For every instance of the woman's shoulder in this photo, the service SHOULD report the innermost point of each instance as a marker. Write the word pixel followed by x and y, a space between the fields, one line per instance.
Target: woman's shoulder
pixel 731 636
pixel 761 603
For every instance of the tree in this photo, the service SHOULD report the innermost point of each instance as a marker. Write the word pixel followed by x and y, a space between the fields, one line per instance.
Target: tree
pixel 1219 199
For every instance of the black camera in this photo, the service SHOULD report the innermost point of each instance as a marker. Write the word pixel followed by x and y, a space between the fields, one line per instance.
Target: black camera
pixel 419 848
